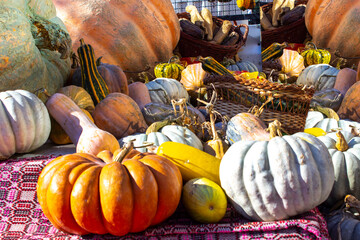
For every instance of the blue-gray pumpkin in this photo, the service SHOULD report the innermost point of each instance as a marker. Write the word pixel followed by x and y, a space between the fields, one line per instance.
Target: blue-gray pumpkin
pixel 243 66
pixel 163 90
pixel 321 76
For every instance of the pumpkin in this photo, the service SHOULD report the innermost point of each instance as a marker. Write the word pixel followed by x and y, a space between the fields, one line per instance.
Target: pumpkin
pixel 119 115
pixel 243 66
pixel 313 55
pixel 350 105
pixel 35 47
pixel 358 72
pixel 163 90
pixel 113 76
pixel 292 63
pixel 86 136
pixel 85 103
pixel 321 76
pixel 131 32
pixel 75 195
pixel 331 25
pixel 344 149
pixel 329 97
pixel 245 4
pixel 174 133
pixel 25 123
pixel 345 79
pixel 193 77
pixel 278 178
pixel 246 126
pixel 139 93
pixel 171 69
pixel 317 119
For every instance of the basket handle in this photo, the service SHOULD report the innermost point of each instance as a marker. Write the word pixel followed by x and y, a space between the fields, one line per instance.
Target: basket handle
pixel 245 35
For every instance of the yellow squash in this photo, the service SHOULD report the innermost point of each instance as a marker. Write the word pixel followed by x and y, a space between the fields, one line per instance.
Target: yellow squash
pixel 192 162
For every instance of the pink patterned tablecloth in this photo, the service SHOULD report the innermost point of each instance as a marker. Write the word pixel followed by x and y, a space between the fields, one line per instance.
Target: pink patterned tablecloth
pixel 21 216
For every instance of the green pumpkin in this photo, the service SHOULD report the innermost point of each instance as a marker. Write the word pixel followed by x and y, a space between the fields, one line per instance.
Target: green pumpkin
pixel 172 69
pixel 277 179
pixel 313 55
pixel 35 47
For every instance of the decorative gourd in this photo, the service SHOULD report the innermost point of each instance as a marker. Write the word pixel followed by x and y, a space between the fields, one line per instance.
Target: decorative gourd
pixel 91 80
pixel 139 93
pixel 279 178
pixel 292 63
pixel 246 126
pixel 350 105
pixel 243 66
pixel 344 149
pixel 163 90
pixel 313 55
pixel 119 115
pixel 135 40
pixel 113 76
pixel 245 4
pixel 274 51
pixel 321 76
pixel 345 79
pixel 171 69
pixel 331 25
pixel 210 65
pixel 25 123
pixel 192 162
pixel 75 195
pixel 329 97
pixel 86 136
pixel 192 77
pixel 35 47
pixel 317 119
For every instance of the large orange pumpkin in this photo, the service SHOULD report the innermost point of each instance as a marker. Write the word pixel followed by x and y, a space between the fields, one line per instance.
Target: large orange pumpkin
pixel 131 34
pixel 333 25
pixel 81 194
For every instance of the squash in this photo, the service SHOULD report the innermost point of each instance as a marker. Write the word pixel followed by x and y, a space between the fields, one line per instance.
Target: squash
pixel 163 90
pixel 246 126
pixel 350 105
pixel 119 115
pixel 329 97
pixel 278 178
pixel 345 79
pixel 113 76
pixel 86 136
pixel 344 149
pixel 121 31
pixel 171 69
pixel 313 55
pixel 321 76
pixel 331 25
pixel 210 65
pixel 245 4
pixel 75 195
pixel 193 77
pixel 358 72
pixel 35 47
pixel 139 93
pixel 292 64
pixel 25 123
pixel 191 161
pixel 274 51
pixel 243 66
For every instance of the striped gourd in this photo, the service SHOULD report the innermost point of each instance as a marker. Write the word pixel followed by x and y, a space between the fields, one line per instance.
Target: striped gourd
pixel 274 51
pixel 313 55
pixel 91 79
pixel 245 4
pixel 172 69
pixel 209 64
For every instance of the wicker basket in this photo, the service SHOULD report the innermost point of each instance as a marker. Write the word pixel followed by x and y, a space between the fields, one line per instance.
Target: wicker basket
pixel 295 32
pixel 290 103
pixel 193 47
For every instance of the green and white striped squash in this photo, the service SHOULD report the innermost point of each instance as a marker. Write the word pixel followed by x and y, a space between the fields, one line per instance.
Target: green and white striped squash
pixel 321 76
pixel 243 66
pixel 313 55
pixel 163 90
pixel 318 120
pixel 173 133
pixel 345 154
pixel 277 179
pixel 171 69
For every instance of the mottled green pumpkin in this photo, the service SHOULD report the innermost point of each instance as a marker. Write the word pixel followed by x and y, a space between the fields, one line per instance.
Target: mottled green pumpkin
pixel 313 55
pixel 171 69
pixel 35 46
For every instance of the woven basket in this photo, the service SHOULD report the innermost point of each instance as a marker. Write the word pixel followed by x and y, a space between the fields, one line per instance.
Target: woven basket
pixel 193 47
pixel 290 103
pixel 295 32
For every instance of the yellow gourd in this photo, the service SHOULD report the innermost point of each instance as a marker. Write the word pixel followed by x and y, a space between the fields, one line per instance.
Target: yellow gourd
pixel 192 162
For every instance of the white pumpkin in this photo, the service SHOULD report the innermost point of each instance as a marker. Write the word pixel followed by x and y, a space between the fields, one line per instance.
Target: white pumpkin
pixel 163 90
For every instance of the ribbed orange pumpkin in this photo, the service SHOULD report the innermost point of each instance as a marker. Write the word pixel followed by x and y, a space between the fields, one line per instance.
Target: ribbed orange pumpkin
pixel 333 25
pixel 81 194
pixel 133 34
pixel 119 115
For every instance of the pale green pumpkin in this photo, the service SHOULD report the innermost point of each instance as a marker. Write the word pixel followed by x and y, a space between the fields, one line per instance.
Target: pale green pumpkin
pixel 34 46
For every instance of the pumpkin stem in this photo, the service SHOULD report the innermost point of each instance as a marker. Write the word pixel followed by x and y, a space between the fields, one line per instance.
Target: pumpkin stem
pixel 341 143
pixel 129 146
pixel 82 42
pixel 311 45
pixel 274 129
pixel 42 91
pixel 98 61
pixel 174 58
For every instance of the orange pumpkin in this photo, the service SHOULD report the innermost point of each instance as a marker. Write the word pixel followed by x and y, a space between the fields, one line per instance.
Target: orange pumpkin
pixel 345 79
pixel 350 106
pixel 81 194
pixel 119 115
pixel 139 93
pixel 124 33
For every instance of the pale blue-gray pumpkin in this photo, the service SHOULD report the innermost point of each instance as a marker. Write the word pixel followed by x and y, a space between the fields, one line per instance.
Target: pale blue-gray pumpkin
pixel 321 76
pixel 318 120
pixel 243 66
pixel 279 178
pixel 163 90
